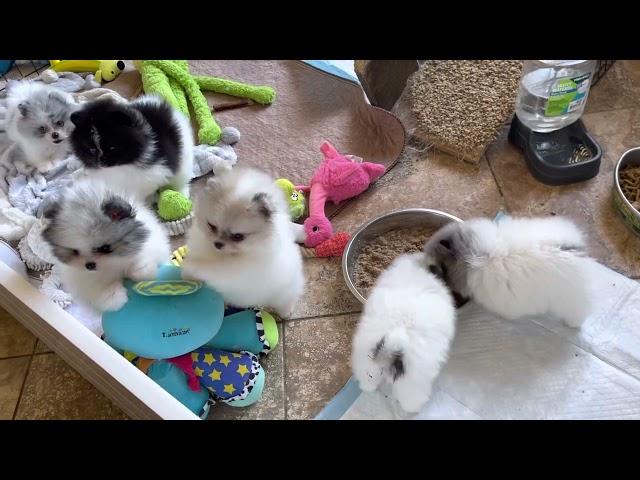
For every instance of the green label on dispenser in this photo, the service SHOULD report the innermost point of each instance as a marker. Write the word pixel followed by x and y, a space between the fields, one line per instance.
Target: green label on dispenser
pixel 567 95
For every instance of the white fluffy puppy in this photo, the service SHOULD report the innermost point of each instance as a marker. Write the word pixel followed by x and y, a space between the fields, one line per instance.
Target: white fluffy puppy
pixel 242 242
pixel 405 332
pixel 517 266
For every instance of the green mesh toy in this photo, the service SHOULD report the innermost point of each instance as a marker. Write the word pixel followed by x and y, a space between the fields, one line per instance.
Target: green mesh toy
pixel 175 210
pixel 295 198
pixel 171 79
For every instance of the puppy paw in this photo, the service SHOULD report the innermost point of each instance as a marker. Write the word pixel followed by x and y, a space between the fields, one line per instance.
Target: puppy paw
pixel 45 167
pixel 284 312
pixel 411 395
pixel 114 299
pixel 146 271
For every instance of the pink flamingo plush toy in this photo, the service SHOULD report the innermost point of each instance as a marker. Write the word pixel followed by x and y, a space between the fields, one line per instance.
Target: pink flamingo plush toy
pixel 338 178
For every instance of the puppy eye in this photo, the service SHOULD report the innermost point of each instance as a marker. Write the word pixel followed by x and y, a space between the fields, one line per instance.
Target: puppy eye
pixel 75 252
pixel 60 123
pixel 213 228
pixel 237 237
pixel 92 150
pixel 42 130
pixel 104 249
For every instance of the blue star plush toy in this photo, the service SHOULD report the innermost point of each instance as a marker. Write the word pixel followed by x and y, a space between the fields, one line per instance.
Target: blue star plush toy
pixel 180 334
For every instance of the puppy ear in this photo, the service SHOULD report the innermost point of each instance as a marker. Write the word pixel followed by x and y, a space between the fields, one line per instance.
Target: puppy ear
pixel 24 108
pixel 262 203
pixel 436 270
pixel 117 209
pixel 77 117
pixel 51 209
pixel 445 248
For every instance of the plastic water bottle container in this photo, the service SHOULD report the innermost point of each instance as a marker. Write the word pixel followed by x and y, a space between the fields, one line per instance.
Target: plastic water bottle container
pixel 553 93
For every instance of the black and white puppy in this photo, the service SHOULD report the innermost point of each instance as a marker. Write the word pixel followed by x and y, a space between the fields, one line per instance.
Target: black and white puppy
pixel 138 146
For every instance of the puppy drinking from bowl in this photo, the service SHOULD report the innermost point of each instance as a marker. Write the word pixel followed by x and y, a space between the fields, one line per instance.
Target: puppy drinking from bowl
pixel 405 332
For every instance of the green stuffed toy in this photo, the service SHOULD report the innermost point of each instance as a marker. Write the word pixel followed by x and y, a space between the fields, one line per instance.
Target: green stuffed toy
pixel 295 198
pixel 171 80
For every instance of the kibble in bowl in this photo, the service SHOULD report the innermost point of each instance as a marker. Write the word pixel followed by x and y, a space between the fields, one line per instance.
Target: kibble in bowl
pixel 626 194
pixel 376 244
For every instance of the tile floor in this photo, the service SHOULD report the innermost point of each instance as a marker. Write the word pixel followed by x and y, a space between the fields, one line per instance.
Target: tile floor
pixel 311 363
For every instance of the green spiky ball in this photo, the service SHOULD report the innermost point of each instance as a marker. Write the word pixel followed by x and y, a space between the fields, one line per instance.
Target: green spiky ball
pixel 173 205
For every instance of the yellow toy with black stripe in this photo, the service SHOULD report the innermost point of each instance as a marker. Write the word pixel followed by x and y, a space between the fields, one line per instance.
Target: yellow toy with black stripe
pixel 103 70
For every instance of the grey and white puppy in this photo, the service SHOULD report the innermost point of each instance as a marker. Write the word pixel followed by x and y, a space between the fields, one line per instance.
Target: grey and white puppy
pixel 100 237
pixel 37 120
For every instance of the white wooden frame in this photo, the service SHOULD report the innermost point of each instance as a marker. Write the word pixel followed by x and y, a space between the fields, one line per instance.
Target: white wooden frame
pixel 135 393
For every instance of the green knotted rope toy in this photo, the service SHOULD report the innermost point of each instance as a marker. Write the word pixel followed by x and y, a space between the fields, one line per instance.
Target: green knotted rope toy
pixel 171 79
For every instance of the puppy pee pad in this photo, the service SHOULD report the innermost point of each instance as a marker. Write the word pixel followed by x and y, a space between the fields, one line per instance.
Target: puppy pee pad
pixel 534 368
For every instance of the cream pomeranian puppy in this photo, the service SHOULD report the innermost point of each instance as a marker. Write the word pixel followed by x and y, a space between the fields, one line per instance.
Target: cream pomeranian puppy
pixel 242 242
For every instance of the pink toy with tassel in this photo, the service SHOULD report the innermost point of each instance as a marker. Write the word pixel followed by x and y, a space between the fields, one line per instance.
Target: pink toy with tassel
pixel 338 178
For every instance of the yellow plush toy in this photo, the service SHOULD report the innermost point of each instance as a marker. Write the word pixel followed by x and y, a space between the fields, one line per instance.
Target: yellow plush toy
pixel 104 70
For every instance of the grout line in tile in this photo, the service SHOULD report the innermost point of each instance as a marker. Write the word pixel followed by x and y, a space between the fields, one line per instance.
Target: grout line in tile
pixel 16 356
pixel 632 107
pixel 322 316
pixel 495 179
pixel 284 371
pixel 24 381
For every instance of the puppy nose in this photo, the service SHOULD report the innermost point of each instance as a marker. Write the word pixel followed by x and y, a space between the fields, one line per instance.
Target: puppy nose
pixel 55 135
pixel 219 245
pixel 90 265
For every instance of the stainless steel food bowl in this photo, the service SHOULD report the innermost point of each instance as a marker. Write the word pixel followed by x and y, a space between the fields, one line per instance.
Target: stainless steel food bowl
pixel 630 215
pixel 408 218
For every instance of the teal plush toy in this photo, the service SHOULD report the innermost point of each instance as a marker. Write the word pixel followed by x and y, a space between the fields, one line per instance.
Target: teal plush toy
pixel 185 340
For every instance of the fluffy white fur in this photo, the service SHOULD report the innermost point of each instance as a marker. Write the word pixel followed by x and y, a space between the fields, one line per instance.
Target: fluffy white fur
pixel 409 317
pixel 40 152
pixel 103 289
pixel 263 270
pixel 144 182
pixel 518 266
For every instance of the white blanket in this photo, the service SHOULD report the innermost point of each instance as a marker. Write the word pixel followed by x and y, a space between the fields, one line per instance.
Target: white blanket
pixel 535 368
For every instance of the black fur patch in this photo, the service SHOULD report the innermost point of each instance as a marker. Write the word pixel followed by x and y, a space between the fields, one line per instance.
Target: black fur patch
pixel 571 248
pixel 378 347
pixel 51 209
pixel 459 299
pixel 168 142
pixel 117 209
pixel 262 201
pixel 446 244
pixel 132 234
pixel 397 365
pixel 437 271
